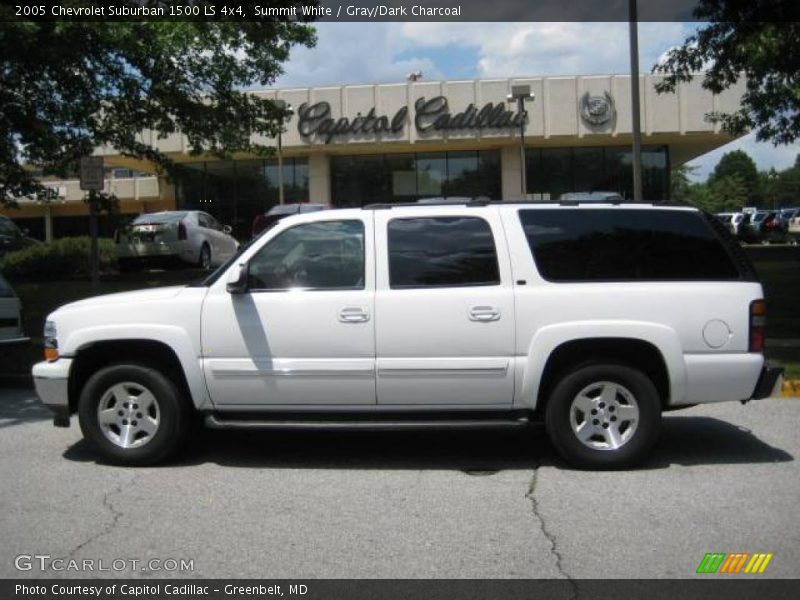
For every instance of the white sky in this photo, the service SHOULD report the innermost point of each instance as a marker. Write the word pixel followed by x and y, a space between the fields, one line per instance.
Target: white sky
pixel 350 53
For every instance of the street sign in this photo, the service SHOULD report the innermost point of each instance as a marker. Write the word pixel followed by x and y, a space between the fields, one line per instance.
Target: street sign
pixel 92 173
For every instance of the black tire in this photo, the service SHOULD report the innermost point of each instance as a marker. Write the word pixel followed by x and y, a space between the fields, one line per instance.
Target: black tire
pixel 173 414
pixel 204 259
pixel 597 452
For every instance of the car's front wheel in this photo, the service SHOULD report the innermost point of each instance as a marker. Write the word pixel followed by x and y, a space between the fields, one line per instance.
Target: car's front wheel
pixel 132 414
pixel 604 416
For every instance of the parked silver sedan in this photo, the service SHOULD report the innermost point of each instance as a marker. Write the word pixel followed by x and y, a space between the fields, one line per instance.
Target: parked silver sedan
pixel 10 316
pixel 190 236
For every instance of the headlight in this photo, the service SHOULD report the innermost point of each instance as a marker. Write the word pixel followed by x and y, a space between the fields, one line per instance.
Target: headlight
pixel 50 341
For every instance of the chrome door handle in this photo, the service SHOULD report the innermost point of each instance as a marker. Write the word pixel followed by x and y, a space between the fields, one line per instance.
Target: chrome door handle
pixel 484 313
pixel 353 314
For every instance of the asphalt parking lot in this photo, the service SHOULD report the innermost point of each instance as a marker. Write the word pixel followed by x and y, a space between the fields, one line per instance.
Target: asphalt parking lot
pixel 724 478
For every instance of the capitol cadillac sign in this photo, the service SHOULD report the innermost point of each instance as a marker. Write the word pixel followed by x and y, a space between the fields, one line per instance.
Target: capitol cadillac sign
pixel 434 114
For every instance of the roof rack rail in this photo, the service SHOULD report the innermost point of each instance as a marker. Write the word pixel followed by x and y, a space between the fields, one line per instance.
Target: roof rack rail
pixel 469 202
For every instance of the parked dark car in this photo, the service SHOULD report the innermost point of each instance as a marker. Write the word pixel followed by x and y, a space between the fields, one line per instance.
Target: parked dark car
pixel 763 226
pixel 774 228
pixel 12 237
pixel 281 211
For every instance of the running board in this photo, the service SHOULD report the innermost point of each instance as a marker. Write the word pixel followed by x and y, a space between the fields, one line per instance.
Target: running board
pixel 217 422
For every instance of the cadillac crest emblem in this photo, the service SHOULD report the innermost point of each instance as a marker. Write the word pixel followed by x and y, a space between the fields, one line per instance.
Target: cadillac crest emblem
pixel 597 110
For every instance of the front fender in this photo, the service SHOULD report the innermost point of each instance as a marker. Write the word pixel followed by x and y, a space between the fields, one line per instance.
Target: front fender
pixel 174 337
pixel 547 339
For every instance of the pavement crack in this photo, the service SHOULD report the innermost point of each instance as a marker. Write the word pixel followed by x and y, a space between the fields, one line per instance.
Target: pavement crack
pixel 551 538
pixel 116 515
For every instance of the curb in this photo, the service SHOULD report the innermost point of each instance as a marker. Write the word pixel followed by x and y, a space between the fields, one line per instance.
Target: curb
pixel 790 388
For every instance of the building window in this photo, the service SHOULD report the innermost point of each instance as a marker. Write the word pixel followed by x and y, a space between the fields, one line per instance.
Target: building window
pixel 555 171
pixel 360 180
pixel 441 252
pixel 235 192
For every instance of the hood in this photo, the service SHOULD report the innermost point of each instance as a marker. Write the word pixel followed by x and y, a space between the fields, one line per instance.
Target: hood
pixel 134 297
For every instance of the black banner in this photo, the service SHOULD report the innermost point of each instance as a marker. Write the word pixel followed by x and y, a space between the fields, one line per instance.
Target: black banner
pixel 710 588
pixel 399 10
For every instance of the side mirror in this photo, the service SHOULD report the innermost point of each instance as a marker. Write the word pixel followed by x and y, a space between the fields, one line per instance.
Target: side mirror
pixel 237 280
pixel 227 229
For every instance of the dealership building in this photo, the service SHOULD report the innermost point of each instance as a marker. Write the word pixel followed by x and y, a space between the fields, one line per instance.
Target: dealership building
pixel 358 144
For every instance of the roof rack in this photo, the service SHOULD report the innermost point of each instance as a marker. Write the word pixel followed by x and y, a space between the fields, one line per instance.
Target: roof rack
pixel 470 202
pixel 486 202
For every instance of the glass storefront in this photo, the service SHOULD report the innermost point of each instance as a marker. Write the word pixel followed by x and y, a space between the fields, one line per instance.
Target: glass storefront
pixel 235 191
pixel 555 171
pixel 386 178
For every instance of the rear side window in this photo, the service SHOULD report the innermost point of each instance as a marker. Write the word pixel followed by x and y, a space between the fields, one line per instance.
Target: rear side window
pixel 441 252
pixel 624 245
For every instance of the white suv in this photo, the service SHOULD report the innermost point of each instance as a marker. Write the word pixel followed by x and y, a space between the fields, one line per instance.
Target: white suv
pixel 594 318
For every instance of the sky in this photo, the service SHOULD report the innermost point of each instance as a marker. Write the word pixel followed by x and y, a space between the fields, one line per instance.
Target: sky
pixel 357 53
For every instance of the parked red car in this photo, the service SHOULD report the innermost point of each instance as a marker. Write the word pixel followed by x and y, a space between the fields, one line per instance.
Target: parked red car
pixel 281 211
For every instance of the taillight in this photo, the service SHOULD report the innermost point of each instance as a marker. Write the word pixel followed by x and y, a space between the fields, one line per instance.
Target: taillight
pixel 181 231
pixel 758 319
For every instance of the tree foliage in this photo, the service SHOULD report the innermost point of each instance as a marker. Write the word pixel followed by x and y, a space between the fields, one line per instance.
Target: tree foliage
pixel 754 39
pixel 738 164
pixel 67 87
pixel 732 185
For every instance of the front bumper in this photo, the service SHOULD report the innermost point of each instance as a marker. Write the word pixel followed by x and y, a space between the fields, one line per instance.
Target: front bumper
pixel 51 380
pixel 769 383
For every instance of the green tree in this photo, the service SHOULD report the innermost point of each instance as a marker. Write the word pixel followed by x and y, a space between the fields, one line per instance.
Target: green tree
pixel 739 164
pixel 681 183
pixel 754 39
pixel 67 87
pixel 727 193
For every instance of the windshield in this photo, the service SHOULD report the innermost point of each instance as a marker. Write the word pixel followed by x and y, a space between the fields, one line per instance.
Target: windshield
pixel 8 228
pixel 284 209
pixel 163 217
pixel 5 289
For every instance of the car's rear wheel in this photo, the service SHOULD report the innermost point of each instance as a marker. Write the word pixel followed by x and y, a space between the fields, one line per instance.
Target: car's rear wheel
pixel 604 416
pixel 204 261
pixel 133 414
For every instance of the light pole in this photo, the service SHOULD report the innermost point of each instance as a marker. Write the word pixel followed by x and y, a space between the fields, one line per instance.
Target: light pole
pixel 519 94
pixel 286 112
pixel 633 32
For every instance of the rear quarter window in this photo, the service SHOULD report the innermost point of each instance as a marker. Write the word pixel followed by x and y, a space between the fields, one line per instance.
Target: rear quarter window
pixel 576 245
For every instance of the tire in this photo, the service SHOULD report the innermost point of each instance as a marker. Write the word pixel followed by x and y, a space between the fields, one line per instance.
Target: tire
pixel 204 260
pixel 155 416
pixel 610 441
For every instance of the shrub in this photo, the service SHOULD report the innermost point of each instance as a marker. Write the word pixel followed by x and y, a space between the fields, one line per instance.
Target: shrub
pixel 65 258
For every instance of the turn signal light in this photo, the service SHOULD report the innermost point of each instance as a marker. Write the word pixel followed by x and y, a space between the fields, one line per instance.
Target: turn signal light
pixel 758 320
pixel 51 354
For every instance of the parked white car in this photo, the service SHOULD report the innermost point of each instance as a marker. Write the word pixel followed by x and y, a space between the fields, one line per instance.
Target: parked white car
pixel 190 236
pixel 10 316
pixel 594 318
pixel 732 221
